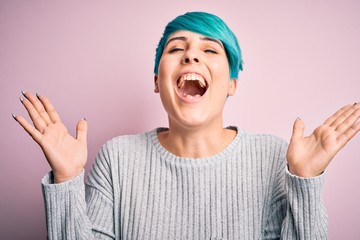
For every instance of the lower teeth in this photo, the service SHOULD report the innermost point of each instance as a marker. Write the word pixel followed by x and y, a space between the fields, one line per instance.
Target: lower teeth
pixel 192 97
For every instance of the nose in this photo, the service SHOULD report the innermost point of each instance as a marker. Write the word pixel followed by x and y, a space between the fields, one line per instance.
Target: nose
pixel 191 56
pixel 188 60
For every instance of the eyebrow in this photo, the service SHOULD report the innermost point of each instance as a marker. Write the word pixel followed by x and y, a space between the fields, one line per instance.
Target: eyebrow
pixel 212 40
pixel 183 38
pixel 175 38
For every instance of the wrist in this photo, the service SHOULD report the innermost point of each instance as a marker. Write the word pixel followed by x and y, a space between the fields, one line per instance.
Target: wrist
pixel 60 178
pixel 303 172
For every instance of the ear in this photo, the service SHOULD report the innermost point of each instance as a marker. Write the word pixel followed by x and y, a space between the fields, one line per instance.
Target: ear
pixel 232 87
pixel 156 89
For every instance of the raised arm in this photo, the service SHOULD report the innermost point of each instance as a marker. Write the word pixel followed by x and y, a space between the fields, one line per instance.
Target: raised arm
pixel 71 212
pixel 309 156
pixel 65 154
pixel 299 202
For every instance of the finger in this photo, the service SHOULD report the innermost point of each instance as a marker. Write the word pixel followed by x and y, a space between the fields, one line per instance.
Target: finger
pixel 298 129
pixel 50 109
pixel 349 134
pixel 333 117
pixel 36 118
pixel 30 129
pixel 38 106
pixel 349 121
pixel 345 116
pixel 81 130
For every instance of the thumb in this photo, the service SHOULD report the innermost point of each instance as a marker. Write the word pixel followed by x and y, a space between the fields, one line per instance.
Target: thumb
pixel 81 130
pixel 298 129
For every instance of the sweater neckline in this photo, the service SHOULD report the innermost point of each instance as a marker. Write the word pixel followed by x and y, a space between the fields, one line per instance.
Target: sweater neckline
pixel 177 160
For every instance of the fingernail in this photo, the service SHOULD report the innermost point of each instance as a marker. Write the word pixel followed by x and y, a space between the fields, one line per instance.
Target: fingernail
pixel 14 116
pixel 354 104
pixel 23 93
pixel 298 118
pixel 38 96
pixel 21 99
pixel 84 119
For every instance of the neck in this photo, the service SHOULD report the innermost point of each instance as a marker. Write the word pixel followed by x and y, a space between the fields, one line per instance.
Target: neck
pixel 196 142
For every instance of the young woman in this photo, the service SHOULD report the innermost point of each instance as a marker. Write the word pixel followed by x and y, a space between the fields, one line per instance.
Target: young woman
pixel 194 179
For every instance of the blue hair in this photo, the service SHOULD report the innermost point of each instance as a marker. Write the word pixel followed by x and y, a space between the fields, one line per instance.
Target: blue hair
pixel 208 25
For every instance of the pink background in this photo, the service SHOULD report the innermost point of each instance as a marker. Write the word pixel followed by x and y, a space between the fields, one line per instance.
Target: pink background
pixel 94 59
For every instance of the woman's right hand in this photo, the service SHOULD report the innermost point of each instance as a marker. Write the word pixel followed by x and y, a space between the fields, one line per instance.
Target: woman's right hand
pixel 65 154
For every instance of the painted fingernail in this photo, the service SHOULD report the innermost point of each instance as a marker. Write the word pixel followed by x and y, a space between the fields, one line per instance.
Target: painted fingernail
pixel 38 96
pixel 21 99
pixel 354 104
pixel 23 93
pixel 13 115
pixel 84 119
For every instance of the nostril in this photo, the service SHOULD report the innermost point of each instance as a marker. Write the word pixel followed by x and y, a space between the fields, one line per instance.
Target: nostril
pixel 185 60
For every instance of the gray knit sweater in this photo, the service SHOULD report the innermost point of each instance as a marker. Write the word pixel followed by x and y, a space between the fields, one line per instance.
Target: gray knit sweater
pixel 136 189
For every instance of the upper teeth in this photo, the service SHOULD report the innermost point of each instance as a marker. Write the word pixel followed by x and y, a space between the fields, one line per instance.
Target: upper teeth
pixel 191 77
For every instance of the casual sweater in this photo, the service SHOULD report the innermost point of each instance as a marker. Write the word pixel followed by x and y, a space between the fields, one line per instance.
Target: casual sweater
pixel 137 189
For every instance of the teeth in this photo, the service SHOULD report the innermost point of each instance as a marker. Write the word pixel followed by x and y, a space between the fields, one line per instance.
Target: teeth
pixel 181 83
pixel 191 77
pixel 202 83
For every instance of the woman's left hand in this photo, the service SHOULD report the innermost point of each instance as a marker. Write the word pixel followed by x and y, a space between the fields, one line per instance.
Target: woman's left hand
pixel 309 156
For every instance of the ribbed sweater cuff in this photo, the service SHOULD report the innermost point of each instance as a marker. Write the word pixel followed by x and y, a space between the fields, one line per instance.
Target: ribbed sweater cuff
pixel 312 182
pixel 306 217
pixel 65 205
pixel 74 183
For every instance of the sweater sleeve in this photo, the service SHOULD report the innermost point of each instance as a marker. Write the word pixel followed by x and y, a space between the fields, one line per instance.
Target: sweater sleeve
pixel 306 216
pixel 78 211
pixel 296 211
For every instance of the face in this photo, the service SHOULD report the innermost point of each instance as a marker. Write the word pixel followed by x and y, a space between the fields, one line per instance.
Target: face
pixel 193 79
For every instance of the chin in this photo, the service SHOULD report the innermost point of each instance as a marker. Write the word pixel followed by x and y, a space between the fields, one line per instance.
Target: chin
pixel 194 120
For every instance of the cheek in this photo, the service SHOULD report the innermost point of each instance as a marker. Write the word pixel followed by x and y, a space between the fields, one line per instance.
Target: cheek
pixel 220 65
pixel 164 78
pixel 167 69
pixel 221 71
pixel 162 67
pixel 168 62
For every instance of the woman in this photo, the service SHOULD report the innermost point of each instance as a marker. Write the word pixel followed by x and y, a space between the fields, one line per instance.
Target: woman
pixel 194 179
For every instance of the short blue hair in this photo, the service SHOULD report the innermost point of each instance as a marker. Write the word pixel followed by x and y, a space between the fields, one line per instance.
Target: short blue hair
pixel 208 25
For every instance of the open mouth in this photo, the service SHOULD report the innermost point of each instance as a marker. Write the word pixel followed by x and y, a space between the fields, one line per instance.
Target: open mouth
pixel 191 85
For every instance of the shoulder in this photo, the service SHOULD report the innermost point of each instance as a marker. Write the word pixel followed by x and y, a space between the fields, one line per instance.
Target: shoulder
pixel 264 144
pixel 122 142
pixel 261 138
pixel 121 149
pixel 267 149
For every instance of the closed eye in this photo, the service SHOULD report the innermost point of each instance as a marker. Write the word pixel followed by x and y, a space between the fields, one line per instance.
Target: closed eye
pixel 210 51
pixel 175 50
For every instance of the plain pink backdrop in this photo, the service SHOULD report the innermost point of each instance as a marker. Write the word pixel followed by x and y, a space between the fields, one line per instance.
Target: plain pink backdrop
pixel 94 59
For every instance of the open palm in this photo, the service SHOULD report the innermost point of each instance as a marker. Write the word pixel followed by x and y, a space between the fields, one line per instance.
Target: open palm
pixel 309 156
pixel 66 155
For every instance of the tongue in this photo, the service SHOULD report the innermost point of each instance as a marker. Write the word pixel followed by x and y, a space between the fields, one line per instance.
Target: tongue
pixel 191 89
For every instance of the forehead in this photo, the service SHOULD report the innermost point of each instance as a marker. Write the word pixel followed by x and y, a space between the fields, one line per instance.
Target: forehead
pixel 184 35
